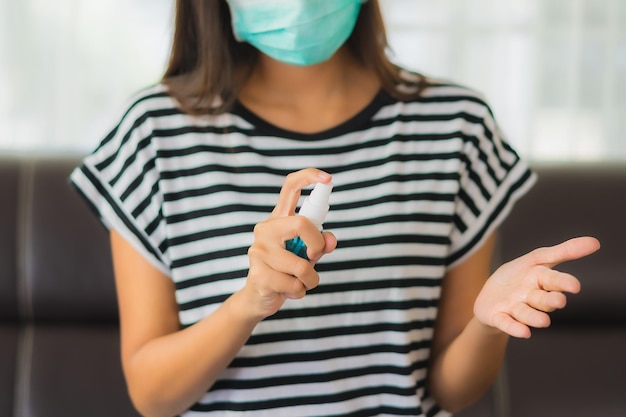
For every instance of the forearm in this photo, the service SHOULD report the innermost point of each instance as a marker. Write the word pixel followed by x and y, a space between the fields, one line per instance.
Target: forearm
pixel 172 372
pixel 462 372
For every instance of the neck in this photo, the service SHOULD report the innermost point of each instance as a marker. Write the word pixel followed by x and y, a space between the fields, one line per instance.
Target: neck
pixel 279 83
pixel 312 98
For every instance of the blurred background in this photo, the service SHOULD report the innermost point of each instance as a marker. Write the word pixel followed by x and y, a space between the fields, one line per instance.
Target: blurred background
pixel 554 71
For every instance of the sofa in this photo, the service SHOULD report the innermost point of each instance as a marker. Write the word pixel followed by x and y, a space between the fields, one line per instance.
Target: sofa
pixel 59 342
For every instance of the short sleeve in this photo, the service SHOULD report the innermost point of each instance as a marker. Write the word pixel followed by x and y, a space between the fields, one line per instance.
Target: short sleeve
pixel 120 182
pixel 492 178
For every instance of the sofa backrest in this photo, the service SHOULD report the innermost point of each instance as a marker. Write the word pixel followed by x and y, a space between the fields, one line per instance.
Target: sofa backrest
pixel 59 354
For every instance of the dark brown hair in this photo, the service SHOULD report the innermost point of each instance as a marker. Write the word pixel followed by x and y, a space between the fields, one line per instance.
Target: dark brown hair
pixel 207 65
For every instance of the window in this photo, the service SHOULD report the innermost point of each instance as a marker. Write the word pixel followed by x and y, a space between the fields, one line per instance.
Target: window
pixel 554 71
pixel 69 66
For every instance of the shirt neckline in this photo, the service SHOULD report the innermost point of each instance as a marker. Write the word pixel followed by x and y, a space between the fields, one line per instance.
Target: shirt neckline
pixel 360 119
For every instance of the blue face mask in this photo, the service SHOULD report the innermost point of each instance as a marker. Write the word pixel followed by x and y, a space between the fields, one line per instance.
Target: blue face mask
pixel 297 32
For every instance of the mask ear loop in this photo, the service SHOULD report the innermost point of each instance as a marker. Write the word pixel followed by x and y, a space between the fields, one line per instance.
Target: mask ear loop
pixel 233 20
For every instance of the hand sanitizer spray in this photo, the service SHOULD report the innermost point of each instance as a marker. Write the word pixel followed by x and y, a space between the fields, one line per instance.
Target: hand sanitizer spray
pixel 315 208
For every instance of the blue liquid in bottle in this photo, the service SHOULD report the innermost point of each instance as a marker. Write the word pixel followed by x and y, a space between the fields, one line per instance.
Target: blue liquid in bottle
pixel 297 246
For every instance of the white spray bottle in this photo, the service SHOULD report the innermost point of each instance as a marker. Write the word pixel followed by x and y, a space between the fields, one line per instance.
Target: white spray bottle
pixel 315 208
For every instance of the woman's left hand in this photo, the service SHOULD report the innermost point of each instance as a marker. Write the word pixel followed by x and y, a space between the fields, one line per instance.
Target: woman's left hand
pixel 521 293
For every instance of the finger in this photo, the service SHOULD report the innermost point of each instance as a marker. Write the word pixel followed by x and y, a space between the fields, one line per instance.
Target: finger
pixel 302 228
pixel 304 272
pixel 292 188
pixel 290 287
pixel 271 256
pixel 294 267
pixel 567 251
pixel 329 244
pixel 551 280
pixel 508 325
pixel 546 301
pixel 314 240
pixel 269 280
pixel 529 316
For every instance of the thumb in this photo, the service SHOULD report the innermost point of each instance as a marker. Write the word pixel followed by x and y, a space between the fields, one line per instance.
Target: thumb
pixel 569 250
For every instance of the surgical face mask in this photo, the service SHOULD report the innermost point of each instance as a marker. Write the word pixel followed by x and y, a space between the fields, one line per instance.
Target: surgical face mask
pixel 297 32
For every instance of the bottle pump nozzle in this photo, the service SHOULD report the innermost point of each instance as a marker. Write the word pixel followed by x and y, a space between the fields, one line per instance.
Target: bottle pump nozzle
pixel 315 206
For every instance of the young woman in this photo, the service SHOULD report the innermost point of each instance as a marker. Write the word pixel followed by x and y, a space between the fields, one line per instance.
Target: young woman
pixel 199 183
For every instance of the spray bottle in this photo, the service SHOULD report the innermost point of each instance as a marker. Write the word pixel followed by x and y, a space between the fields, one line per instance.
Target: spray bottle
pixel 315 208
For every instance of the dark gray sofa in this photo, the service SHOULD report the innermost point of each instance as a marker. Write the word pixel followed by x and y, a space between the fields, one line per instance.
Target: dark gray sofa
pixel 59 353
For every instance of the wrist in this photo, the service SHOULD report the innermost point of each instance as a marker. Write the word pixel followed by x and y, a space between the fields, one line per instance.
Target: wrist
pixel 240 310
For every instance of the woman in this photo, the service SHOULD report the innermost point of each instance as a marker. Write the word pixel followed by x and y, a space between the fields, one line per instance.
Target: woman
pixel 393 314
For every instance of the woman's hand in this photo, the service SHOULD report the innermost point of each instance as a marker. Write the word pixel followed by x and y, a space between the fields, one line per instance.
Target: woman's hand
pixel 276 274
pixel 521 293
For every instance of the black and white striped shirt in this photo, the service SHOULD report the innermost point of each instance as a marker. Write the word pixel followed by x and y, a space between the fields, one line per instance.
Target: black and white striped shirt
pixel 418 185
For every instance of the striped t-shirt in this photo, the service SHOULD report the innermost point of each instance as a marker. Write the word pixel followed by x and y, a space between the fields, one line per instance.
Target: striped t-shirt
pixel 418 185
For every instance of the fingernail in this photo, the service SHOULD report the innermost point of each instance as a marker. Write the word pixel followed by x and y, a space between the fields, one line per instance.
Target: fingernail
pixel 324 176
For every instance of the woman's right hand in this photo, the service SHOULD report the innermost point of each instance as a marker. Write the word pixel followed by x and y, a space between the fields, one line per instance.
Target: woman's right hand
pixel 191 359
pixel 276 274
